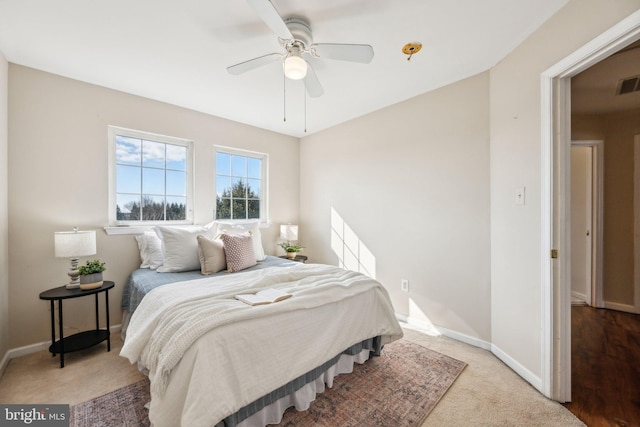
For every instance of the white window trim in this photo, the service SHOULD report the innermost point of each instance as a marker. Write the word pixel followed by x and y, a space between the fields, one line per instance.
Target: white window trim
pixel 264 199
pixel 129 227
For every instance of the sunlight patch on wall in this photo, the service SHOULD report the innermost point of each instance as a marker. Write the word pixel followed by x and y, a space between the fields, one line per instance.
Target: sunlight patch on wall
pixel 352 253
pixel 420 320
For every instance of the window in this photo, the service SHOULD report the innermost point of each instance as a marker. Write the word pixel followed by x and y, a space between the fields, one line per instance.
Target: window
pixel 150 178
pixel 240 184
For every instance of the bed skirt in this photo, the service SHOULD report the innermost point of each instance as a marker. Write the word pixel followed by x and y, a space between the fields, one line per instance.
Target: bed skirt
pixel 301 391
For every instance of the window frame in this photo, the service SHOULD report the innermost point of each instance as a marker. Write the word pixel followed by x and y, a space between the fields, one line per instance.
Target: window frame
pixel 264 173
pixel 113 132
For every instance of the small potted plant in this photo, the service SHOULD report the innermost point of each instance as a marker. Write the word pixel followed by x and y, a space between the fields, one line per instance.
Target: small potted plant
pixel 91 274
pixel 291 249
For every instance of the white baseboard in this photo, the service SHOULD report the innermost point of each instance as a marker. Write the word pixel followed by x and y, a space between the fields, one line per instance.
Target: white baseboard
pixel 34 348
pixel 467 339
pixel 431 329
pixel 621 307
pixel 578 295
pixel 526 374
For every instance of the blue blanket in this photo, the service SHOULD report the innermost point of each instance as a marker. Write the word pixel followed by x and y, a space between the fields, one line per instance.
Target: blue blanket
pixel 144 280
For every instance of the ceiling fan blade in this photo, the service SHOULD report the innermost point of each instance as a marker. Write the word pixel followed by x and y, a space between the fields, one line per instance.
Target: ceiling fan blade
pixel 267 11
pixel 254 63
pixel 344 52
pixel 311 82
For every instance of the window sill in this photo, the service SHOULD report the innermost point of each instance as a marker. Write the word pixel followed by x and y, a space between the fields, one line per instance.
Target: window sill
pixel 115 230
pixel 127 229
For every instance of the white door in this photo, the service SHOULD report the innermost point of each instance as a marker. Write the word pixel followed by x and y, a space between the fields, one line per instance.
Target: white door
pixel 581 223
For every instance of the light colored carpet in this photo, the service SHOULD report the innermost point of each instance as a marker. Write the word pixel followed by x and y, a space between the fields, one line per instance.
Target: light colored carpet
pixel 487 393
pixel 398 389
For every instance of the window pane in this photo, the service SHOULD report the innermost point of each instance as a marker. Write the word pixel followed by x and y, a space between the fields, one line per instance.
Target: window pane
pixel 238 178
pixel 128 179
pixel 153 154
pixel 127 150
pixel 223 164
pixel 239 188
pixel 238 166
pixel 176 157
pixel 127 207
pixel 253 189
pixel 152 208
pixel 223 186
pixel 254 209
pixel 176 208
pixel 254 168
pixel 239 209
pixel 176 183
pixel 223 208
pixel 152 181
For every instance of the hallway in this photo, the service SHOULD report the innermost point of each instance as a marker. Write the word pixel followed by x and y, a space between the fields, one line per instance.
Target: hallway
pixel 605 357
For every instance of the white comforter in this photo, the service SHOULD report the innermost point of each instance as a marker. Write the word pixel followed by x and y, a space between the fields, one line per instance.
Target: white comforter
pixel 208 355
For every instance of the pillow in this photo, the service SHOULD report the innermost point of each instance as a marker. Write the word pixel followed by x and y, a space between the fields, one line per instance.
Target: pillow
pixel 252 227
pixel 150 248
pixel 180 247
pixel 211 252
pixel 239 251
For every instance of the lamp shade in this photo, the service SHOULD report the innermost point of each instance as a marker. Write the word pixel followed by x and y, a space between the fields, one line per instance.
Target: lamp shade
pixel 295 67
pixel 289 232
pixel 73 244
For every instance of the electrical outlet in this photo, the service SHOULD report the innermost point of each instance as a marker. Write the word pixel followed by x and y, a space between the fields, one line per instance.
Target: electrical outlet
pixel 404 285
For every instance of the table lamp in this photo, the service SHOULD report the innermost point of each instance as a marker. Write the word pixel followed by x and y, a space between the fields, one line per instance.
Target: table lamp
pixel 289 232
pixel 72 245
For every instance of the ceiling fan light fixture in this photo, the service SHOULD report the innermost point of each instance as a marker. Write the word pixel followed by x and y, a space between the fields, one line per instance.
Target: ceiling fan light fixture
pixel 295 67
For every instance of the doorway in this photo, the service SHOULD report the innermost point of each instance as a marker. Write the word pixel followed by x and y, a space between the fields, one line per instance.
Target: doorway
pixel 587 198
pixel 556 234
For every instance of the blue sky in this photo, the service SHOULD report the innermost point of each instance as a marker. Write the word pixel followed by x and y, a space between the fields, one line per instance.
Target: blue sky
pixel 147 167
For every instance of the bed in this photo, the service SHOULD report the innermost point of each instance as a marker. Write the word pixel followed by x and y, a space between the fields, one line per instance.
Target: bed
pixel 215 361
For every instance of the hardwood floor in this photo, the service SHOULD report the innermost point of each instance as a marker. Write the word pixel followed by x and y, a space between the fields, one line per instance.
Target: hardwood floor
pixel 605 367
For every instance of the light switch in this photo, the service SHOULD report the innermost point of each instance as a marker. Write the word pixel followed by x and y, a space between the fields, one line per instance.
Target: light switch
pixel 519 196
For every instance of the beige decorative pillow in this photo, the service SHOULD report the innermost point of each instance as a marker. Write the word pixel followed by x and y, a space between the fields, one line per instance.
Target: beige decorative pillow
pixel 239 251
pixel 211 252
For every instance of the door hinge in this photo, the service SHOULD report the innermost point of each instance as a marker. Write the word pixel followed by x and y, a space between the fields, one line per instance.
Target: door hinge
pixel 554 253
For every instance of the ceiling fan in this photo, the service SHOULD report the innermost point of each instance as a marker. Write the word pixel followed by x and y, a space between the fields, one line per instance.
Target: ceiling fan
pixel 294 34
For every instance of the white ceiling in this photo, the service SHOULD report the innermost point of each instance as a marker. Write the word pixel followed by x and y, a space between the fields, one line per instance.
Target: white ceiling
pixel 177 51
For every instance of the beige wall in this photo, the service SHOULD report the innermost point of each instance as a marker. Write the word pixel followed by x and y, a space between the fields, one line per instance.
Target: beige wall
pixel 411 183
pixel 58 179
pixel 618 131
pixel 516 292
pixel 4 211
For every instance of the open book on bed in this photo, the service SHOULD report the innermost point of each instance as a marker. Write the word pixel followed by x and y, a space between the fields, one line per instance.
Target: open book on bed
pixel 266 296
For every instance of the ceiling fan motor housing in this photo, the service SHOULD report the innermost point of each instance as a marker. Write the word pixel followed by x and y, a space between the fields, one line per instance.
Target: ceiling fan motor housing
pixel 300 30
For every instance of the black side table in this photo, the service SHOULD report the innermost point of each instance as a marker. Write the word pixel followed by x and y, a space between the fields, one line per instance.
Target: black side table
pixel 298 258
pixel 81 340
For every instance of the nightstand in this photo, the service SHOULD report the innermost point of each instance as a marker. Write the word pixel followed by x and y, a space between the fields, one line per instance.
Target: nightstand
pixel 81 340
pixel 298 258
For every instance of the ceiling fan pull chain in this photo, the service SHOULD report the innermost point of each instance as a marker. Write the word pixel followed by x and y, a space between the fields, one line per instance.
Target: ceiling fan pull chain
pixel 305 110
pixel 284 97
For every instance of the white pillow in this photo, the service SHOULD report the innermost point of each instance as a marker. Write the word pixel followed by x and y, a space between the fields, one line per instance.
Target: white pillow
pixel 212 257
pixel 253 227
pixel 150 248
pixel 180 247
